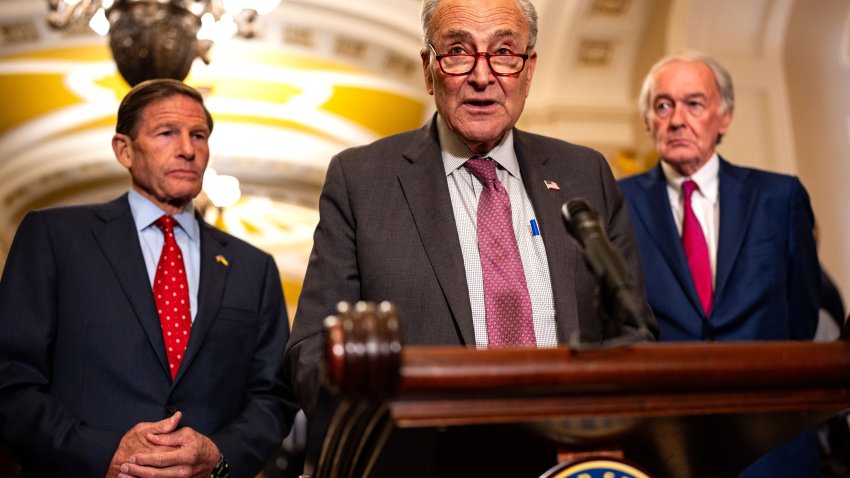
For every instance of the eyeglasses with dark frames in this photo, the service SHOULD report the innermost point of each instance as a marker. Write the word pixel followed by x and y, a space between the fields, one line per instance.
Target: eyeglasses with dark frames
pixel 501 64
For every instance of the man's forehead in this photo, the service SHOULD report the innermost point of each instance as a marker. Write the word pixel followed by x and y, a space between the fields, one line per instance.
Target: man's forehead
pixel 460 34
pixel 175 105
pixel 684 79
pixel 174 109
pixel 496 19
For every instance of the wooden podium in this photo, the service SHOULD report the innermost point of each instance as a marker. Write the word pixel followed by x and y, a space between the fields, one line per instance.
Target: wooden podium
pixel 689 410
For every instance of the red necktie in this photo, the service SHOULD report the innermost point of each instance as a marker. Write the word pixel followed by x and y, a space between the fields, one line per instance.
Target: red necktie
pixel 506 300
pixel 171 293
pixel 696 249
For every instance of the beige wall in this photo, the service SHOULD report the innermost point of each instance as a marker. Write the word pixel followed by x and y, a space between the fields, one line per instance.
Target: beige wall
pixel 817 67
pixel 790 61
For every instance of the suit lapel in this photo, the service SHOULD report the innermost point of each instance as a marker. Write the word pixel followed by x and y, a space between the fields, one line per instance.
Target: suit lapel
pixel 736 206
pixel 213 278
pixel 655 213
pixel 119 242
pixel 426 191
pixel 562 259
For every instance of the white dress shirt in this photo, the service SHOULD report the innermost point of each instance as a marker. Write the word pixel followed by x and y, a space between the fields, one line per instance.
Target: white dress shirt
pixel 464 189
pixel 705 202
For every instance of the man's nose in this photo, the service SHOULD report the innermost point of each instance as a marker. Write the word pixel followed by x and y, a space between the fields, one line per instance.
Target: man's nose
pixel 677 116
pixel 481 73
pixel 186 146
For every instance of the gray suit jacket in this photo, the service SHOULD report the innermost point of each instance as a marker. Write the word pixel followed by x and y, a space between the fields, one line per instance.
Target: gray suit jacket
pixel 387 233
pixel 82 358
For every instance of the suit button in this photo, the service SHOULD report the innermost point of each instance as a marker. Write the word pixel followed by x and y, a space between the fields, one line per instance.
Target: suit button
pixel 171 409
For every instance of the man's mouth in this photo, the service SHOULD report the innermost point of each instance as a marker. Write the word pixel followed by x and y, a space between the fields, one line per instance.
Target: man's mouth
pixel 184 173
pixel 678 142
pixel 483 106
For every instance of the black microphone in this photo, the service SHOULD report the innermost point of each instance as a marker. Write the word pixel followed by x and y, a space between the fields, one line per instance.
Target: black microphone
pixel 605 261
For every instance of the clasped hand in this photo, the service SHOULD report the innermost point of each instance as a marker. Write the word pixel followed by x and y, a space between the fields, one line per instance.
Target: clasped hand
pixel 152 450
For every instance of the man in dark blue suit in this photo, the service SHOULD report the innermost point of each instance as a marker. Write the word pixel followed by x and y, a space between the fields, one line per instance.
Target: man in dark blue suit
pixel 740 263
pixel 88 385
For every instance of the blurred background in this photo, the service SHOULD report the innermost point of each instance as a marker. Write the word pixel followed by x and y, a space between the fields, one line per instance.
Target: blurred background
pixel 291 82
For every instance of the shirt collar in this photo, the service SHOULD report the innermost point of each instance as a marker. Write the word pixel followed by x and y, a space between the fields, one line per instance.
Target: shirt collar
pixel 145 213
pixel 455 152
pixel 705 177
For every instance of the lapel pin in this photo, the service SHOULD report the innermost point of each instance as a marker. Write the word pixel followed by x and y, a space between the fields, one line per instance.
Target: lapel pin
pixel 221 260
pixel 551 184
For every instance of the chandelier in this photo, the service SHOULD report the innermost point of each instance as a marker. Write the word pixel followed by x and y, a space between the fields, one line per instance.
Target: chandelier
pixel 159 38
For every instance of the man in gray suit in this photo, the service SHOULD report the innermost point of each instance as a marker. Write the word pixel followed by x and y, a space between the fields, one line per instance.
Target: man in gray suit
pixel 399 216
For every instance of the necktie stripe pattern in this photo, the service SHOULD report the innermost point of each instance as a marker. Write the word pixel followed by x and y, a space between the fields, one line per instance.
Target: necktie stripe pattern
pixel 506 300
pixel 171 293
pixel 696 249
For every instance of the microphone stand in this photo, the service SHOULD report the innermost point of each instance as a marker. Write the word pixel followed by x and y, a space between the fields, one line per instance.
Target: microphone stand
pixel 618 303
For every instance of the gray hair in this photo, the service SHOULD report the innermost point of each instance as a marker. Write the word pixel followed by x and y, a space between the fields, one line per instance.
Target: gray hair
pixel 722 79
pixel 430 6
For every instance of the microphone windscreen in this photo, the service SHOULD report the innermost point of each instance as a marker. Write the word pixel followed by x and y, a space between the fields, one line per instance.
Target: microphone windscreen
pixel 577 206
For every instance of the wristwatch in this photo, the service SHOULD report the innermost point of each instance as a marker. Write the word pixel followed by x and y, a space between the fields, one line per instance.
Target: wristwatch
pixel 221 470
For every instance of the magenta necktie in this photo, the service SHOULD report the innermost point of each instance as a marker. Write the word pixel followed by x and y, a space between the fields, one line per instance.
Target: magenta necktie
pixel 171 293
pixel 696 249
pixel 506 300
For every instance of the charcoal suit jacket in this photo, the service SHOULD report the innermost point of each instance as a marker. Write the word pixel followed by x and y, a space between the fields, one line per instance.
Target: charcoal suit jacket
pixel 387 233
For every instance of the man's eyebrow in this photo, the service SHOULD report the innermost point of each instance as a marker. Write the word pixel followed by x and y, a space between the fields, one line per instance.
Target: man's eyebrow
pixel 689 96
pixel 504 33
pixel 456 35
pixel 464 36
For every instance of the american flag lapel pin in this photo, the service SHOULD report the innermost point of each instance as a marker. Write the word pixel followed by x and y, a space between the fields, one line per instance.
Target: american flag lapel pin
pixel 221 260
pixel 551 184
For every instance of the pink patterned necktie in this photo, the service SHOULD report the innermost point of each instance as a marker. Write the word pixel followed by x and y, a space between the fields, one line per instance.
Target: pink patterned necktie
pixel 506 300
pixel 171 293
pixel 696 249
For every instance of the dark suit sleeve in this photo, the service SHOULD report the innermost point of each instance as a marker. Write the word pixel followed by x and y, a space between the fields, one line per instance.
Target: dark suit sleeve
pixel 332 275
pixel 34 424
pixel 269 406
pixel 804 272
pixel 621 234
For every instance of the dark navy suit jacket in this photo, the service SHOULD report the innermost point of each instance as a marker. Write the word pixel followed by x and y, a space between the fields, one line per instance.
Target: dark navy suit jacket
pixel 82 358
pixel 767 282
pixel 767 279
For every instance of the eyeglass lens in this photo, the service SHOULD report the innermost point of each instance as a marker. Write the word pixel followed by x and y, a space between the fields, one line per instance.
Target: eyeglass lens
pixel 460 64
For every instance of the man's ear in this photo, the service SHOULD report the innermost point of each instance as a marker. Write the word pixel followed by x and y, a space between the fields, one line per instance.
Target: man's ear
pixel 426 70
pixel 122 146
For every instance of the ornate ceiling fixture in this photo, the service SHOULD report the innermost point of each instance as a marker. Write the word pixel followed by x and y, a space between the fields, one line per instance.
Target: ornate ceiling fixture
pixel 159 38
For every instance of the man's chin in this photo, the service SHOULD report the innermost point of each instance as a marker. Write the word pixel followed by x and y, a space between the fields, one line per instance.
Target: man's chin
pixel 680 156
pixel 686 166
pixel 183 197
pixel 482 133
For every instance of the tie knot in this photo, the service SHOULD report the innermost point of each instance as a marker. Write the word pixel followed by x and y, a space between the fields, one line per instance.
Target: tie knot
pixel 483 168
pixel 688 187
pixel 166 224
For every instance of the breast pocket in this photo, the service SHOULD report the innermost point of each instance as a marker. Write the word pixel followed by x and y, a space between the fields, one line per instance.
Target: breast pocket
pixel 767 245
pixel 233 332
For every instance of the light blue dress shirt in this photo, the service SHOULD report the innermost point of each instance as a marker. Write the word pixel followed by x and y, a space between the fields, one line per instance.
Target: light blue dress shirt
pixel 145 213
